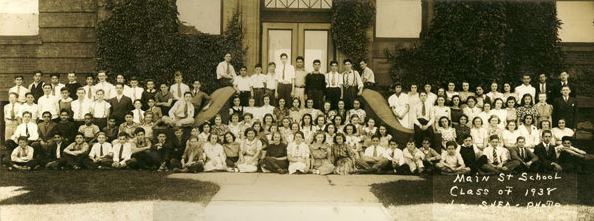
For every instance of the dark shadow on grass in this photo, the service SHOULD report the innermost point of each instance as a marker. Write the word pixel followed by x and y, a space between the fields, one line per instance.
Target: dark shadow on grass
pixel 573 189
pixel 46 187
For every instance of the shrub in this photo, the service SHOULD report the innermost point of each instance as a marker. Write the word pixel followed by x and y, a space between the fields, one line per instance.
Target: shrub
pixel 141 38
pixel 482 41
pixel 350 21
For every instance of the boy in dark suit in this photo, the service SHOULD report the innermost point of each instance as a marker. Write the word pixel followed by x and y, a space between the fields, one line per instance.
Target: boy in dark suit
pixel 54 152
pixel 564 81
pixel 545 151
pixel 565 107
pixel 544 87
pixel 527 160
pixel 120 104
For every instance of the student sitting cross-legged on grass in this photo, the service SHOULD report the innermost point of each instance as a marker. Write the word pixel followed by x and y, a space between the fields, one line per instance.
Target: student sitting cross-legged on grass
pixel 75 154
pixel 122 153
pixel 101 155
pixel 571 158
pixel 215 156
pixel 54 152
pixel 22 156
pixel 89 130
pixel 430 156
pixel 160 151
pixel 193 159
pixel 141 150
pixel 451 162
pixel 374 158
pixel 498 156
pixel 395 155
pixel 413 158
pixel 527 160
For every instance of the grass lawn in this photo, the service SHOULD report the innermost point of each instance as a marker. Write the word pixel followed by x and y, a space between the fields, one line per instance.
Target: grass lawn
pixel 432 198
pixel 84 186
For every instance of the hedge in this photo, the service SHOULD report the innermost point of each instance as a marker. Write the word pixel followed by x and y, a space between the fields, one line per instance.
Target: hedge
pixel 481 41
pixel 142 38
pixel 350 21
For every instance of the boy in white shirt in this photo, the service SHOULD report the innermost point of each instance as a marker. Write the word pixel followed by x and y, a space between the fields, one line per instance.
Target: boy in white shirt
pixel 138 112
pixel 375 158
pixel 100 109
pixel 451 161
pixel 108 88
pixel 101 154
pixel 394 154
pixel 29 106
pixel 80 107
pixel 10 114
pixel 89 88
pixel 22 156
pixel 181 113
pixel 19 89
pixel 413 158
pixel 179 88
pixel 134 91
pixel 270 83
pixel 258 80
pixel 243 86
pixel 56 85
pixel 368 77
pixel 498 156
pixel 48 102
pixel 122 152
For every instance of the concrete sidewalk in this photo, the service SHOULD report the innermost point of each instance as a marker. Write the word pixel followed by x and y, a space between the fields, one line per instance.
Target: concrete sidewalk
pixel 263 196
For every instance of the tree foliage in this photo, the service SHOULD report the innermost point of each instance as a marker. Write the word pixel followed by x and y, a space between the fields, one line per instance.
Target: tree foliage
pixel 141 38
pixel 480 41
pixel 350 21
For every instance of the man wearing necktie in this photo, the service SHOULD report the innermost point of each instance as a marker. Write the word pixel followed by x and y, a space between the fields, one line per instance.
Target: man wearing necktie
pixel 22 156
pixel 546 153
pixel 182 112
pixel 285 78
pixel 523 159
pixel 374 158
pixel 10 117
pixel 353 85
pixel 565 107
pixel 226 72
pixel 333 85
pixel 423 123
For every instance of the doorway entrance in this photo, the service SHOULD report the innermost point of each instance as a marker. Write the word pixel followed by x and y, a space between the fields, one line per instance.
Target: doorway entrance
pixel 310 40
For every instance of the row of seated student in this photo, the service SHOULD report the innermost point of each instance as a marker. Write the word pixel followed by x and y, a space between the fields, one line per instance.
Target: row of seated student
pixel 290 148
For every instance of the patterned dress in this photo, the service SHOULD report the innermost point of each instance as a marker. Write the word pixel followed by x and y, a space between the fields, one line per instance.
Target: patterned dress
pixel 344 159
pixel 249 149
pixel 321 159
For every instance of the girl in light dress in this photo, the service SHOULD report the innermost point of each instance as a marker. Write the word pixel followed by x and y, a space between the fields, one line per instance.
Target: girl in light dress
pixel 448 133
pixel 352 140
pixel 510 135
pixel 321 155
pixel 285 129
pixel 205 133
pixel 441 110
pixel 510 108
pixel 343 156
pixel 338 123
pixel 267 121
pixel 252 109
pixel 478 133
pixel 471 110
pixel 560 131
pixel 266 108
pixel 508 93
pixel 294 129
pixel 366 132
pixel 493 128
pixel 320 123
pixel 215 155
pixel 544 110
pixel 298 155
pixel 529 131
pixel 294 112
pixel 330 133
pixel 235 126
pixel 307 127
pixel 249 152
pixel 500 112
pixel 385 137
pixel 486 114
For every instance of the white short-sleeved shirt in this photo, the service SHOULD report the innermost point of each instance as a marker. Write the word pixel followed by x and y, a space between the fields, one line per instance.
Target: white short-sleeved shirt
pixel 100 109
pixel 48 103
pixel 243 83
pixel 258 80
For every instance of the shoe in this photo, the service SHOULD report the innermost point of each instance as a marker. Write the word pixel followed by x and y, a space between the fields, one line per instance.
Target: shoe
pixel 283 171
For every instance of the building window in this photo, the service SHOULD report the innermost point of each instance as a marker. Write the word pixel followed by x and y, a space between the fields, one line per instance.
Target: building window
pixel 398 18
pixel 576 18
pixel 202 15
pixel 299 4
pixel 19 18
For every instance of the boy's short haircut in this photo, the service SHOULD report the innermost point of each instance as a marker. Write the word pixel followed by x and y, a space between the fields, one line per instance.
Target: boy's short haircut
pixel 133 78
pixel 13 93
pixel 162 132
pixel 451 143
pixel 178 74
pixel 36 72
pixel 27 113
pixel 63 89
pixel 426 139
pixel 64 111
pixel 138 130
pixel 177 129
pixel 122 134
pixel 58 133
pixel 284 55
pixel 90 76
pixel 83 135
pixel 347 60
pixel 375 136
pixel 243 67
pixel 54 75
pixel 248 114
pixel 46 112
pixel 317 61
pixel 566 138
pixel 119 83
pixel 258 65
pixel 271 63
pixel 393 141
pixel 19 76
pixel 23 138
pixel 410 141
pixel 129 113
pixel 71 72
pixel 363 60
pixel 299 58
pixel 49 85
pixel 188 92
pixel 89 114
pixel 493 137
pixel 149 80
pixel 520 138
pixel 333 62
pixel 150 98
pixel 100 133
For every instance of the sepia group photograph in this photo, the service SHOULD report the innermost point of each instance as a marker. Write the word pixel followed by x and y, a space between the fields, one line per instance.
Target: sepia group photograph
pixel 374 110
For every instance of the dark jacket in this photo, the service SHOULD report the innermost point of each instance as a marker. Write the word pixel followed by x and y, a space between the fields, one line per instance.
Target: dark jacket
pixel 566 110
pixel 119 109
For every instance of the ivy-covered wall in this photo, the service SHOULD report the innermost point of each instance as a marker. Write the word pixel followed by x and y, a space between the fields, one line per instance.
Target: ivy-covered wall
pixel 141 38
pixel 481 41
